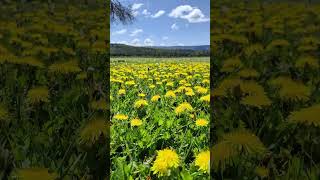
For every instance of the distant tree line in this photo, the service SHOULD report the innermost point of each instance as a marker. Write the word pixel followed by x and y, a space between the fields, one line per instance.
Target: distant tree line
pixel 125 50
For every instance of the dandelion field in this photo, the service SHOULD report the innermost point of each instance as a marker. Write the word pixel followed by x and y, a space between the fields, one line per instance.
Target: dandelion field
pixel 160 118
pixel 265 90
pixel 53 69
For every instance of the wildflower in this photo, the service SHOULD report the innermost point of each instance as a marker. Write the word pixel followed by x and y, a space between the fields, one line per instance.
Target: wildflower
pixel 231 64
pixel 248 73
pixel 120 117
pixel 36 173
pixel 155 98
pixel 256 100
pixel 202 90
pixel 190 93
pixel 151 86
pixel 130 83
pixel 93 130
pixel 141 95
pixel 170 94
pixel 136 122
pixel 221 153
pixel 121 92
pixel 206 81
pixel 203 161
pixel 165 160
pixel 38 94
pixel 262 172
pixel 245 140
pixel 308 116
pixel 184 107
pixel 140 103
pixel 65 67
pixel 307 60
pixel 277 43
pixel 169 84
pixel 201 122
pixel 205 98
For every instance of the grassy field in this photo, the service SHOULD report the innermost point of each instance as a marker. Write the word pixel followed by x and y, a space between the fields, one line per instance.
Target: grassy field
pixel 53 111
pixel 154 60
pixel 266 90
pixel 160 118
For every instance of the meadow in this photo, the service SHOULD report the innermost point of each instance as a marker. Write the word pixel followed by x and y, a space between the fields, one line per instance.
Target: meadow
pixel 53 104
pixel 160 118
pixel 266 91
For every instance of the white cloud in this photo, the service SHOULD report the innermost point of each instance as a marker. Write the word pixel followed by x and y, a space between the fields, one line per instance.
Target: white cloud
pixel 122 42
pixel 158 14
pixel 181 11
pixel 136 6
pixel 122 31
pixel 180 44
pixel 174 26
pixel 162 44
pixel 135 42
pixel 136 32
pixel 146 13
pixel 192 14
pixel 135 13
pixel 165 38
pixel 148 42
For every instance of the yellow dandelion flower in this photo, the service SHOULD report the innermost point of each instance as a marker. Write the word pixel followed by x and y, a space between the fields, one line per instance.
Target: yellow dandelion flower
pixel 36 173
pixel 203 161
pixel 201 122
pixel 141 95
pixel 130 83
pixel 256 100
pixel 205 98
pixel 183 107
pixel 307 116
pixel 37 95
pixel 262 172
pixel 170 84
pixel 155 98
pixel 222 153
pixel 231 64
pixel 151 86
pixel 121 92
pixel 65 67
pixel 248 73
pixel 202 90
pixel 170 94
pixel 93 130
pixel 246 141
pixel 206 81
pixel 165 160
pixel 190 93
pixel 120 117
pixel 140 103
pixel 312 62
pixel 136 122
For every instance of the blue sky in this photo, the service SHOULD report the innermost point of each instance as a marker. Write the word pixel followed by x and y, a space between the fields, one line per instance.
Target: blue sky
pixel 165 23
